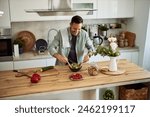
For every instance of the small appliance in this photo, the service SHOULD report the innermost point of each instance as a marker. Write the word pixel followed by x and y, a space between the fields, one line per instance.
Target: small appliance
pixel 5 45
pixel 5 48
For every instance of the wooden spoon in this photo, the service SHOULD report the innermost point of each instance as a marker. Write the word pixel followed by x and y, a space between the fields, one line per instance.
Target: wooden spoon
pixel 21 74
pixel 68 62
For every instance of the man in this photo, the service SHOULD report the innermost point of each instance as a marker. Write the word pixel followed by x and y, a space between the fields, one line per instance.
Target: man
pixel 69 44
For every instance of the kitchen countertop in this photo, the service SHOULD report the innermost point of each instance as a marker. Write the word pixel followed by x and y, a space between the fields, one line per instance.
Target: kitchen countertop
pixel 34 55
pixel 58 80
pixel 129 49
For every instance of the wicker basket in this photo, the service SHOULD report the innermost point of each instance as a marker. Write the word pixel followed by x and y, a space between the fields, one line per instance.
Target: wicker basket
pixel 133 92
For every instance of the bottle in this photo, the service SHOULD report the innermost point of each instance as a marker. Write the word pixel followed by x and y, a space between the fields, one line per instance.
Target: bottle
pixel 123 35
pixel 16 50
pixel 126 43
pixel 121 43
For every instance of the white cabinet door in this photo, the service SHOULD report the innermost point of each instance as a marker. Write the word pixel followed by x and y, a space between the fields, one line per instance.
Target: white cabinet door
pixel 125 8
pixel 29 64
pixel 135 57
pixel 98 58
pixel 132 56
pixel 18 10
pixel 5 18
pixel 86 4
pixel 115 8
pixel 50 62
pixel 126 55
pixel 18 7
pixel 6 65
pixel 80 4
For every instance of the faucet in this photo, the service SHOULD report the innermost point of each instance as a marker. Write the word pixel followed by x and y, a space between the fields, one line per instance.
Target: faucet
pixel 51 29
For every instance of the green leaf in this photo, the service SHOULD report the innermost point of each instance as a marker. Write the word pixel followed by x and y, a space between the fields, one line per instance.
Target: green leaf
pixel 106 51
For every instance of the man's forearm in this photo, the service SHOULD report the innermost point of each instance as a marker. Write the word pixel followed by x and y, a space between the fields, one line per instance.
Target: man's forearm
pixel 60 58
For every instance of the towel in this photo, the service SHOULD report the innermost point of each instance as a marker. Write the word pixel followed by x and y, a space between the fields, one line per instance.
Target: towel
pixel 65 38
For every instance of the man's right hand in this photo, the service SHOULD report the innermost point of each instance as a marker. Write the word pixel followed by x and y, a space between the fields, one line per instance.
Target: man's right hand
pixel 61 58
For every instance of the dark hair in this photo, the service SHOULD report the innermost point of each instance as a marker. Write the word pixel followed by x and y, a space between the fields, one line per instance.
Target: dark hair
pixel 77 19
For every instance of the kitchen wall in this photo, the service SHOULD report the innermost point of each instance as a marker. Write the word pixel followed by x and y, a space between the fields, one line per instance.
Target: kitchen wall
pixel 139 25
pixel 4 19
pixel 40 28
pixel 147 47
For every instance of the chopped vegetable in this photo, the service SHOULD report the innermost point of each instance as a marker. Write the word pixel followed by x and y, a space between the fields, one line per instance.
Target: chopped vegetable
pixel 76 76
pixel 75 66
pixel 47 68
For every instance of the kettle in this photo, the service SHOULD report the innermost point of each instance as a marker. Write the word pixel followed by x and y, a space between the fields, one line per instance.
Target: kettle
pixel 97 40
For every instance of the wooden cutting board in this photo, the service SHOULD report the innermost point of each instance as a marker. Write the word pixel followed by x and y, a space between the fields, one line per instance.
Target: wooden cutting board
pixel 28 38
pixel 50 72
pixel 106 71
pixel 131 38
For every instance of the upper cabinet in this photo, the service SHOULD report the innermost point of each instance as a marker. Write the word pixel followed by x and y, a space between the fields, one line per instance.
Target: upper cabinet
pixel 40 10
pixel 86 5
pixel 5 16
pixel 115 8
pixel 18 9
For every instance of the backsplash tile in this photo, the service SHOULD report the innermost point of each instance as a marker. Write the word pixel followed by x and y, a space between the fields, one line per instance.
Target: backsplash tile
pixel 40 28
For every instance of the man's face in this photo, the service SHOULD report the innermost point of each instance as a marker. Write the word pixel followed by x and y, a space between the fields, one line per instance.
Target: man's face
pixel 75 28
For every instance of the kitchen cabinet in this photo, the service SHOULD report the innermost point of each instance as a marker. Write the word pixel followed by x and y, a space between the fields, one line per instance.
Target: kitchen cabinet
pixel 18 7
pixel 5 18
pixel 32 59
pixel 22 64
pixel 50 61
pixel 29 63
pixel 86 4
pixel 131 55
pixel 6 65
pixel 135 58
pixel 115 8
pixel 27 60
pixel 18 10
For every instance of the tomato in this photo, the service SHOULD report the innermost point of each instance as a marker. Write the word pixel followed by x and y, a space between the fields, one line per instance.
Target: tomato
pixel 36 75
pixel 76 76
pixel 35 78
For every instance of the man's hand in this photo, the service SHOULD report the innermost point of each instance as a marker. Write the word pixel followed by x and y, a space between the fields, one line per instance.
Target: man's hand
pixel 60 58
pixel 86 58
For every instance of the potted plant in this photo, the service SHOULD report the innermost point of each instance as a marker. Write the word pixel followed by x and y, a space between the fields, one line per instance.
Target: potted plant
pixel 20 43
pixel 108 95
pixel 103 27
pixel 112 51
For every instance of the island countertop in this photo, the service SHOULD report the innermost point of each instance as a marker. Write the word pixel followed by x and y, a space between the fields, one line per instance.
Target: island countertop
pixel 57 80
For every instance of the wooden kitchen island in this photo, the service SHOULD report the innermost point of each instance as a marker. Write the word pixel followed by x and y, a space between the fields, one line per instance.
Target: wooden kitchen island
pixel 57 81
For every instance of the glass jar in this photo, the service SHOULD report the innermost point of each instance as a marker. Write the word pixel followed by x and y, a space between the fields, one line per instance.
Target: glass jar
pixel 121 43
pixel 93 69
pixel 126 43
